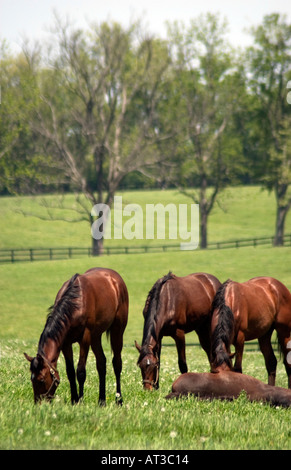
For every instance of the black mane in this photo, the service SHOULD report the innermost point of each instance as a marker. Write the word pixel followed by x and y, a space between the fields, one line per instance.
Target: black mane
pixel 222 335
pixel 60 313
pixel 150 313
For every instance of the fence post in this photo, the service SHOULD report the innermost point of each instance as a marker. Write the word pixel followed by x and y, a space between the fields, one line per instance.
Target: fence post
pixel 31 254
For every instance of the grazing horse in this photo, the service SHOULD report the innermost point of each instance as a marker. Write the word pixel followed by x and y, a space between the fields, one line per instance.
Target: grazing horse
pixel 227 385
pixel 246 311
pixel 175 306
pixel 85 307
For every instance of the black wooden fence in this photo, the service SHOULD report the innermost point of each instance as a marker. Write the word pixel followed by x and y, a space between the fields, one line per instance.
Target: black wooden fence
pixel 13 255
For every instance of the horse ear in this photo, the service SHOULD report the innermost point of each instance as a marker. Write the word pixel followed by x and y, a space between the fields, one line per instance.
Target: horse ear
pixel 29 358
pixel 40 360
pixel 137 346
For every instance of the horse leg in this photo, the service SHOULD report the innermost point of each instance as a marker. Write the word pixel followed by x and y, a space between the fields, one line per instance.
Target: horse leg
pixel 239 349
pixel 81 369
pixel 96 346
pixel 68 355
pixel 116 340
pixel 205 340
pixel 270 358
pixel 179 338
pixel 284 338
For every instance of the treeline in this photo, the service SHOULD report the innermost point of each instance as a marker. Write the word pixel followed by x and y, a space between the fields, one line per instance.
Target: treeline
pixel 97 110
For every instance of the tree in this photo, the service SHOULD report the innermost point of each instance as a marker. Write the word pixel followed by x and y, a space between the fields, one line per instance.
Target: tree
pixel 22 165
pixel 207 88
pixel 98 108
pixel 270 67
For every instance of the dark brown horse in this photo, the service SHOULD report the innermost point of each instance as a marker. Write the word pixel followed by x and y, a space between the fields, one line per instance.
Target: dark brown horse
pixel 175 306
pixel 227 385
pixel 246 311
pixel 85 307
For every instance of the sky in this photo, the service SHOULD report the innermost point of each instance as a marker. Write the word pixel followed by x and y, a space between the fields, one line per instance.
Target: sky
pixel 33 19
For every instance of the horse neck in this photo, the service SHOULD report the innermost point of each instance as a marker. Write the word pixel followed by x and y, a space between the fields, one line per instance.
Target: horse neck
pixel 152 336
pixel 59 320
pixel 50 349
pixel 154 313
pixel 50 344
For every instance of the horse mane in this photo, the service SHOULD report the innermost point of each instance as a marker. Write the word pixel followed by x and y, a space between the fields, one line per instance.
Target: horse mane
pixel 60 313
pixel 150 312
pixel 222 335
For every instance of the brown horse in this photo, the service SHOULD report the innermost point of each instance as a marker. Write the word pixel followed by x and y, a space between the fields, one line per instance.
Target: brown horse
pixel 227 385
pixel 246 311
pixel 85 307
pixel 175 306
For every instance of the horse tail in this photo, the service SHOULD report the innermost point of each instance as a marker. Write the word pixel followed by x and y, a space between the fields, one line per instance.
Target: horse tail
pixel 222 335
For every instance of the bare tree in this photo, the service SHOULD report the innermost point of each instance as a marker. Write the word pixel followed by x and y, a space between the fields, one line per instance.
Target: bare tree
pixel 98 108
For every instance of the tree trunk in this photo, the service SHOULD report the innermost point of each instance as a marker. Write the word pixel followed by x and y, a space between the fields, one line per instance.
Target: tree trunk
pixel 203 207
pixel 283 206
pixel 97 247
pixel 203 227
pixel 98 228
pixel 280 224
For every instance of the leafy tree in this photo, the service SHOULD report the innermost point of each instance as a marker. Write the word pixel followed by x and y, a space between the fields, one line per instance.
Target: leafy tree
pixel 20 166
pixel 270 67
pixel 207 88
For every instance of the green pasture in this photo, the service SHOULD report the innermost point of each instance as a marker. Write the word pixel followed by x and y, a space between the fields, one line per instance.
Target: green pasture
pixel 147 420
pixel 241 212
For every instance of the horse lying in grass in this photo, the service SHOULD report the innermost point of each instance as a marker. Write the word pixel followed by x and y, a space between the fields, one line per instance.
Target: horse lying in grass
pixel 227 385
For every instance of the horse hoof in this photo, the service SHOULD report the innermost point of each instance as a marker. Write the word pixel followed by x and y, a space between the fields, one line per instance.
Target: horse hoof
pixel 118 399
pixel 102 403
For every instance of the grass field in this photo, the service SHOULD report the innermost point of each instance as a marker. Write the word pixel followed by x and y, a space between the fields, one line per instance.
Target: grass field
pixel 242 212
pixel 147 420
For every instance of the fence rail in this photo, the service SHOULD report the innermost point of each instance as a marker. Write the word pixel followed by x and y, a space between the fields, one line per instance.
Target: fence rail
pixel 13 255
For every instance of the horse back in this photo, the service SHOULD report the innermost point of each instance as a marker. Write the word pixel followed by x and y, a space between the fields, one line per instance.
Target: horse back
pixel 104 299
pixel 193 296
pixel 281 298
pixel 257 304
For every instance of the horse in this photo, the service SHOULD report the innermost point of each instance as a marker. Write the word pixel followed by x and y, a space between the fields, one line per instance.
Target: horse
pixel 228 385
pixel 247 311
pixel 175 306
pixel 85 307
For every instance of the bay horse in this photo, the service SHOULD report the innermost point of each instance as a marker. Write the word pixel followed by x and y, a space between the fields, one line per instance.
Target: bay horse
pixel 85 307
pixel 247 311
pixel 228 385
pixel 175 306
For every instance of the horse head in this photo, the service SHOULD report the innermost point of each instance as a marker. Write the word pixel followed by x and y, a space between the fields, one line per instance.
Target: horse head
pixel 44 377
pixel 149 365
